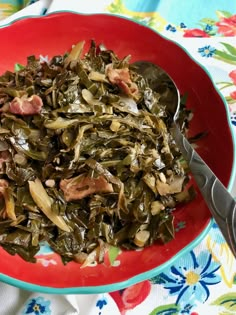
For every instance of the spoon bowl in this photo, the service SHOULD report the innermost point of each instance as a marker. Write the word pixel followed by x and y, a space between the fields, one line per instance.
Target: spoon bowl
pixel 160 82
pixel 219 201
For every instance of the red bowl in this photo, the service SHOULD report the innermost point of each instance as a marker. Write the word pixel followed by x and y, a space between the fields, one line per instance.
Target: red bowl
pixel 55 34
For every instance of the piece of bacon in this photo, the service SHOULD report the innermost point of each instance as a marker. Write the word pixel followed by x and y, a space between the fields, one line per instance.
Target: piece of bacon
pixel 26 105
pixel 121 77
pixel 81 186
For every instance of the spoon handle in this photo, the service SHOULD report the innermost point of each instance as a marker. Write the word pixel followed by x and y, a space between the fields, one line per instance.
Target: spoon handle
pixel 220 202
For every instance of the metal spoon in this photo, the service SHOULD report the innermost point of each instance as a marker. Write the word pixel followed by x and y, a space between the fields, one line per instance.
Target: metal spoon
pixel 220 202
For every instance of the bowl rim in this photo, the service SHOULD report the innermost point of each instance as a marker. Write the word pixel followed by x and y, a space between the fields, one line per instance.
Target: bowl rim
pixel 154 271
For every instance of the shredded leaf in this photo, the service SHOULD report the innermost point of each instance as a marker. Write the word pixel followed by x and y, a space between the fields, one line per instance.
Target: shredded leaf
pixel 44 202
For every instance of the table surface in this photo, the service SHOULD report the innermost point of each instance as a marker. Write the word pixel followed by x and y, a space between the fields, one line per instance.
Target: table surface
pixel 202 281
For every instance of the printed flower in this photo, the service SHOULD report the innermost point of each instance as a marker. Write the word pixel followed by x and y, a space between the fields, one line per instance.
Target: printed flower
pixel 208 28
pixel 182 25
pixel 207 51
pixel 170 28
pixel 227 26
pixel 37 306
pixel 232 75
pixel 7 9
pixel 101 302
pixel 190 277
pixel 233 95
pixel 221 253
pixel 195 32
pixel 132 296
pixel 233 121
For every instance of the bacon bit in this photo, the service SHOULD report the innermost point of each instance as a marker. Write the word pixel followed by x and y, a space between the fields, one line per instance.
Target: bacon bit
pixel 26 106
pixel 81 186
pixel 121 77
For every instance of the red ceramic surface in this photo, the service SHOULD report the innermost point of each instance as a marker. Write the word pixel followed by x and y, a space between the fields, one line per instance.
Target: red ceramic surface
pixel 55 34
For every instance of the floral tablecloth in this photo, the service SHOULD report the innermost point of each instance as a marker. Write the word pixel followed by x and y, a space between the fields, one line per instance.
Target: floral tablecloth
pixel 203 281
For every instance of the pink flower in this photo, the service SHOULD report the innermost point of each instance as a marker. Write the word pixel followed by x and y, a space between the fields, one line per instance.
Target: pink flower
pixel 195 32
pixel 227 26
pixel 233 95
pixel 232 75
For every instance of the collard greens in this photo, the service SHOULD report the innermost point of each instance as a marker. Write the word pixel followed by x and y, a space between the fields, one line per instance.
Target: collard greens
pixel 86 158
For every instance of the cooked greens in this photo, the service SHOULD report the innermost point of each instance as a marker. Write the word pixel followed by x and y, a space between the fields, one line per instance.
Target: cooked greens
pixel 86 157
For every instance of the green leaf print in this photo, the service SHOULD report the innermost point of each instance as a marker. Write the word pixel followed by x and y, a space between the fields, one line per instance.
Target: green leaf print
pixel 208 21
pixel 224 85
pixel 138 18
pixel 170 309
pixel 229 100
pixel 224 56
pixel 227 302
pixel 223 14
pixel 113 252
pixel 231 49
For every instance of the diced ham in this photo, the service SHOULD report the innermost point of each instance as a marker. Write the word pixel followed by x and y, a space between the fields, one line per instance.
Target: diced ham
pixel 81 186
pixel 26 105
pixel 121 77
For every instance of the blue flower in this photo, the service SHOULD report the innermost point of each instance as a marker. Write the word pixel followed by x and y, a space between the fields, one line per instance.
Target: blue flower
pixel 100 303
pixel 190 277
pixel 208 28
pixel 207 51
pixel 233 119
pixel 37 306
pixel 182 25
pixel 170 28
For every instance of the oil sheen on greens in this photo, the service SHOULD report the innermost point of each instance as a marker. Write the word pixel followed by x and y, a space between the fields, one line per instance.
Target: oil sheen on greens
pixel 86 158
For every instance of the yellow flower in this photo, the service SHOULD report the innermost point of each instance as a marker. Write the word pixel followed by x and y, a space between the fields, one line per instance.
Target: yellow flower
pixel 151 19
pixel 7 9
pixel 222 254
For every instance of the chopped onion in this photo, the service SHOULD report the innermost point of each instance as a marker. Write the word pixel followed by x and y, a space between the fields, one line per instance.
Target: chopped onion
pixel 43 201
pixel 141 238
